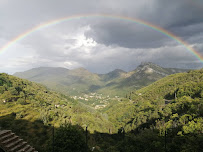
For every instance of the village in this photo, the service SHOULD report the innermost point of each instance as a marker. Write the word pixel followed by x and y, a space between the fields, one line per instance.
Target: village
pixel 96 100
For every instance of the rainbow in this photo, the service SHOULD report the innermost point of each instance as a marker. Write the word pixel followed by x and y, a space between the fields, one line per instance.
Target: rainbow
pixel 129 19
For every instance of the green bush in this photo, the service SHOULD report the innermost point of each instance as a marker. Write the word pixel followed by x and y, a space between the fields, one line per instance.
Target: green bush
pixel 69 138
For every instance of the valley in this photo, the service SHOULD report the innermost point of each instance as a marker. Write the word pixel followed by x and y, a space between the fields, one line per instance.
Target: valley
pixel 172 104
pixel 97 90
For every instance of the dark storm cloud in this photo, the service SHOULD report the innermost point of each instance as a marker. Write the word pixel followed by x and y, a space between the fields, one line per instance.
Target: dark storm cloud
pixel 126 34
pixel 181 17
pixel 115 43
pixel 21 15
pixel 180 13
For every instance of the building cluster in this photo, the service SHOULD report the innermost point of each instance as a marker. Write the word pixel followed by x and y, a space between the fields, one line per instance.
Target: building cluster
pixel 96 100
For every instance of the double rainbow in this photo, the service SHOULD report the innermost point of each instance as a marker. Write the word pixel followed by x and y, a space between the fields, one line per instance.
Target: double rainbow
pixel 133 20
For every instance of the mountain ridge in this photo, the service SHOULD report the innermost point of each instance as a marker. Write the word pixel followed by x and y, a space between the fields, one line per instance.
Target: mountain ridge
pixel 80 80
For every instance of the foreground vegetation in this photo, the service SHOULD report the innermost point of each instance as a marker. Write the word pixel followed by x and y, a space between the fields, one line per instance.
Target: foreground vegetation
pixel 29 109
pixel 166 116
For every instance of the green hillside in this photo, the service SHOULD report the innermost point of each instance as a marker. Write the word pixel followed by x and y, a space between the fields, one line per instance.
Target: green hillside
pixel 69 82
pixel 22 101
pixel 175 101
pixel 166 116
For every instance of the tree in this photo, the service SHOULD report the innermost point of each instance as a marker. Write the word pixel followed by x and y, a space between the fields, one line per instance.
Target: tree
pixel 7 96
pixel 70 138
pixel 13 91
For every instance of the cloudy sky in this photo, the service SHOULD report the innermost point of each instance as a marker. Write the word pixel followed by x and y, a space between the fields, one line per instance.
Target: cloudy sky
pixel 99 44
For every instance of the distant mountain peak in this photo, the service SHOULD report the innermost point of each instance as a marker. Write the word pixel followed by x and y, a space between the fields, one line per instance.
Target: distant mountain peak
pixel 114 74
pixel 80 70
pixel 117 71
pixel 148 64
pixel 41 73
pixel 49 68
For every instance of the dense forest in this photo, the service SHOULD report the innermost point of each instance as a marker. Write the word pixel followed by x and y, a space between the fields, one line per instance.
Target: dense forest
pixel 164 116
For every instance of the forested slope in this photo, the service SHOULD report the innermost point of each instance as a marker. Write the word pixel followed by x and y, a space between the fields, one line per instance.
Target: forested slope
pixel 166 116
pixel 29 109
pixel 175 101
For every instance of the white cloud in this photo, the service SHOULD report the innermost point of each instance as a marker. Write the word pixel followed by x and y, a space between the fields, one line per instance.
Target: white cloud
pixel 71 64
